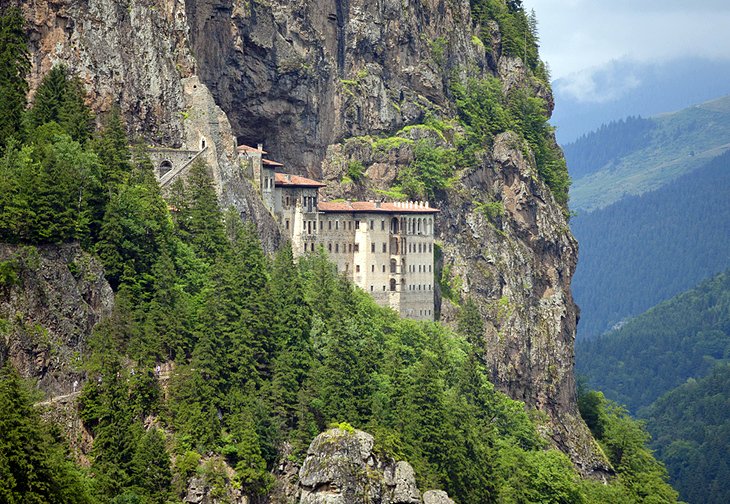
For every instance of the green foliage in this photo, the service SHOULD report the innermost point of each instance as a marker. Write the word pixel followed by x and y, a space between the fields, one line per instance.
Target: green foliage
pixel 670 240
pixel 518 30
pixel 355 170
pixel 624 440
pixel 635 156
pixel 691 431
pixel 33 465
pixel 430 172
pixel 485 111
pixel 60 99
pixel 679 339
pixel 14 67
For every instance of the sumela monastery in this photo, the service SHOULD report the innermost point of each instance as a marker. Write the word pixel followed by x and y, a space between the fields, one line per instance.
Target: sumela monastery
pixel 385 248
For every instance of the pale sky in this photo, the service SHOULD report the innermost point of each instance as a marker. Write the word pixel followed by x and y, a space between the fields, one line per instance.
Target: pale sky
pixel 577 36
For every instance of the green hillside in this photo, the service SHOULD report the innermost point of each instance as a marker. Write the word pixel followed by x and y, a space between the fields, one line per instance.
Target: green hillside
pixel 670 366
pixel 651 354
pixel 674 145
pixel 691 430
pixel 645 249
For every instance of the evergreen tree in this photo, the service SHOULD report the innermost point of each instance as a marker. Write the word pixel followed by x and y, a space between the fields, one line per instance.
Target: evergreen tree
pixel 49 98
pixel 199 219
pixel 33 466
pixel 292 322
pixel 14 67
pixel 151 466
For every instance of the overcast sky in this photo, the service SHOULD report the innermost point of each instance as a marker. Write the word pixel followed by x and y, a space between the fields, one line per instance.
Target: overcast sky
pixel 577 36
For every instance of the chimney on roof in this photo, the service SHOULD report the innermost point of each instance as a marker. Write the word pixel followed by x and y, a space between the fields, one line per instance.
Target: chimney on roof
pixel 261 147
pixel 427 205
pixel 377 204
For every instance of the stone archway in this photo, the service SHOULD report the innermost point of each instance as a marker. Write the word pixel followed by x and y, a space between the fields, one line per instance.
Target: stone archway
pixel 164 168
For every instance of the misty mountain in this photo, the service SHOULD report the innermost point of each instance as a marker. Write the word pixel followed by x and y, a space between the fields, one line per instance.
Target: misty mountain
pixel 636 155
pixel 626 88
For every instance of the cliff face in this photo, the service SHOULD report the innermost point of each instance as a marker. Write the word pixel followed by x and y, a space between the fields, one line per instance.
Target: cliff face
pixel 308 79
pixel 49 304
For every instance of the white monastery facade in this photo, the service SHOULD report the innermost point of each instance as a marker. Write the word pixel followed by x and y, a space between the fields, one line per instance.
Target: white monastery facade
pixel 385 248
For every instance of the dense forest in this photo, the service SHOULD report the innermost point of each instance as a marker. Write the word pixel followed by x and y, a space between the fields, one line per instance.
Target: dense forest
pixel 267 352
pixel 670 365
pixel 691 430
pixel 645 249
pixel 592 151
pixel 660 349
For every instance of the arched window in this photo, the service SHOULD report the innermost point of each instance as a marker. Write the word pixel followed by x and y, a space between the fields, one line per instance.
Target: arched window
pixel 394 225
pixel 392 284
pixel 393 265
pixel 164 167
pixel 202 144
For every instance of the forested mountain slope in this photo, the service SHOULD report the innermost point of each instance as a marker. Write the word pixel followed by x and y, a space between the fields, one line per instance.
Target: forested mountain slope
pixel 645 249
pixel 445 101
pixel 660 349
pixel 690 427
pixel 670 366
pixel 218 364
pixel 633 156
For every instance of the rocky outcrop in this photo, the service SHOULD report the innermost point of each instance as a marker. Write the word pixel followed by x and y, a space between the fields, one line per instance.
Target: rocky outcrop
pixel 341 468
pixel 53 298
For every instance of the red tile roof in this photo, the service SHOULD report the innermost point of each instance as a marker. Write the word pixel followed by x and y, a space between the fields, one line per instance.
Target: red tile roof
pixel 269 162
pixel 283 179
pixel 248 148
pixel 373 207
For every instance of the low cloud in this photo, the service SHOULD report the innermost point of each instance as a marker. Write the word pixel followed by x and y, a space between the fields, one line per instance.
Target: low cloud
pixel 599 84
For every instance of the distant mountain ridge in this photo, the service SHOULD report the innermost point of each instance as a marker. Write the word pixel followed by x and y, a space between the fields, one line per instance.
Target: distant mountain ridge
pixel 645 249
pixel 624 88
pixel 635 155
pixel 660 349
pixel 671 366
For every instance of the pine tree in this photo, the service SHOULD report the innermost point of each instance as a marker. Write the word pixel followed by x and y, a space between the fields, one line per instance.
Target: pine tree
pixel 49 98
pixel 33 466
pixel 14 67
pixel 292 323
pixel 151 466
pixel 199 219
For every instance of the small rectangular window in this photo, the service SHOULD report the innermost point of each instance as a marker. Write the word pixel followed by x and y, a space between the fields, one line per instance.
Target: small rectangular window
pixel 357 247
pixel 372 224
pixel 372 288
pixel 349 247
pixel 383 268
pixel 372 268
pixel 357 268
pixel 372 247
pixel 287 223
pixel 385 247
pixel 382 225
pixel 357 224
pixel 337 248
pixel 329 247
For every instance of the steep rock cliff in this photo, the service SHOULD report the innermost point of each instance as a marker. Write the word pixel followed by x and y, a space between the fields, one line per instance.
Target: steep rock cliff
pixel 307 79
pixel 49 304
